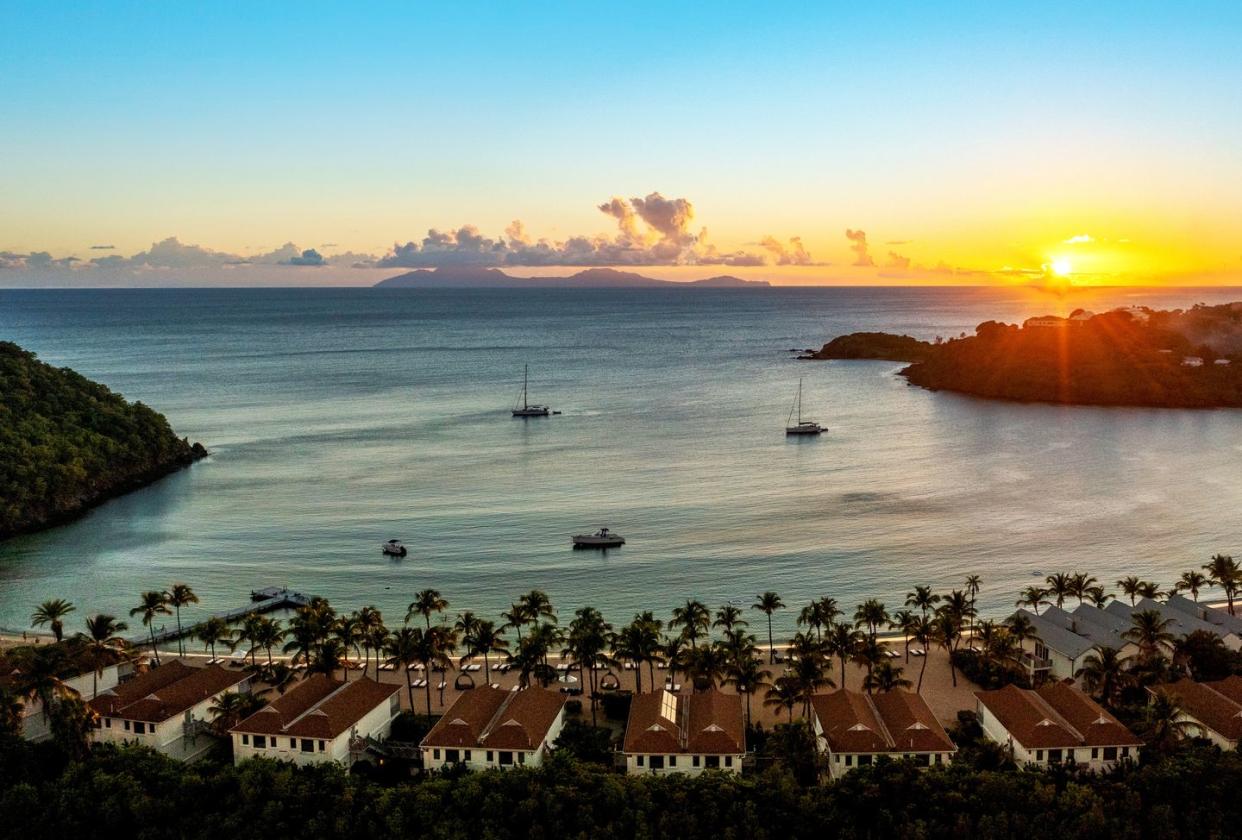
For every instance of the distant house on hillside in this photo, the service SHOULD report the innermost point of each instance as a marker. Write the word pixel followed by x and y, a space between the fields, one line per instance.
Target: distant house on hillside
pixel 1045 322
pixel 318 720
pixel 853 729
pixel 167 708
pixel 1054 724
pixel 488 728
pixel 684 733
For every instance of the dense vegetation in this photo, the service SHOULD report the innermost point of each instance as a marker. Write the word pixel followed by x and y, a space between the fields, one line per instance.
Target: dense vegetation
pixel 67 443
pixel 138 794
pixel 1110 359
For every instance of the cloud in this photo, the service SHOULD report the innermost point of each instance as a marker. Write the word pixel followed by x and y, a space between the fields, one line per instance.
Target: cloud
pixel 650 230
pixel 308 257
pixel 858 240
pixel 896 260
pixel 1080 239
pixel 102 247
pixel 898 241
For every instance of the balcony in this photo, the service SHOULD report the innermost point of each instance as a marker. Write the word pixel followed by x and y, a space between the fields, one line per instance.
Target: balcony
pixel 1034 663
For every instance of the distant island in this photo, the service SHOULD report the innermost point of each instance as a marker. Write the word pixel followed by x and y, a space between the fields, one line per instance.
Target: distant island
pixel 1127 357
pixel 475 277
pixel 68 444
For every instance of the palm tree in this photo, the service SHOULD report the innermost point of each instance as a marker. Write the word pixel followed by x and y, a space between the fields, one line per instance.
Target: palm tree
pixel 957 606
pixel 432 647
pixel 1060 586
pixel 842 642
pixel 153 603
pixel 531 660
pixel 924 631
pixel 370 625
pixel 587 646
pixel 1098 597
pixel 266 634
pixel 328 658
pixel 675 653
pixel 41 675
pixel 425 603
pixel 538 605
pixel 768 603
pixel 747 676
pixel 1080 583
pixel 516 618
pixel 784 692
pixel 1033 597
pixel 1166 725
pixel 886 677
pixel 810 674
pixel 403 651
pixel 1223 572
pixel 693 618
pixel 922 599
pixel 973 584
pixel 637 642
pixel 728 617
pixel 869 654
pixel 1129 587
pixel 947 629
pixel 1149 630
pixel 705 666
pixel 870 614
pixel 1103 674
pixel 483 639
pixel 903 620
pixel 211 632
pixel 347 630
pixel 1191 582
pixel 51 613
pixel 179 596
pixel 230 709
pixel 103 639
pixel 1149 589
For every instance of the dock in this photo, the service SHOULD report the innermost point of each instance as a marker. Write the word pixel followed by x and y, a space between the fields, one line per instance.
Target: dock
pixel 262 601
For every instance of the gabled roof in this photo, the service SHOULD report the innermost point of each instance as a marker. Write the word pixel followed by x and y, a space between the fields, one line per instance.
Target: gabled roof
pixel 165 692
pixel 1053 633
pixel 706 723
pixel 892 721
pixel 1100 626
pixel 1056 715
pixel 318 707
pixel 1182 624
pixel 497 719
pixel 1211 704
pixel 1220 618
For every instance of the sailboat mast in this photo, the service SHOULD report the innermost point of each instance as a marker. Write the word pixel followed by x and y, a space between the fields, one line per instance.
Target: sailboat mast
pixel 799 401
pixel 525 377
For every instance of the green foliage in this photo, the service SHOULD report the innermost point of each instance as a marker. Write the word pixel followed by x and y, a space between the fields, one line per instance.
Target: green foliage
pixel 989 674
pixel 67 443
pixel 586 743
pixel 875 345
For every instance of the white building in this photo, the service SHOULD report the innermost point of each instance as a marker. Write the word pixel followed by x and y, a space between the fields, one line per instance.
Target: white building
pixel 685 733
pixel 317 720
pixel 85 684
pixel 167 708
pixel 1184 619
pixel 1211 710
pixel 492 728
pixel 1056 723
pixel 853 729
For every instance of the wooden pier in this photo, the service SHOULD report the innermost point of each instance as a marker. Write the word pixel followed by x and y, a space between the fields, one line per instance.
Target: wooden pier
pixel 262 601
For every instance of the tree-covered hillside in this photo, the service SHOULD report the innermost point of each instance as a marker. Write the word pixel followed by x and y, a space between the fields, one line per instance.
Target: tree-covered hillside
pixel 67 443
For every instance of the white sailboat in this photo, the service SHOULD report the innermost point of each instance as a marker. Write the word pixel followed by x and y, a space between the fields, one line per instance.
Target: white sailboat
pixel 526 409
pixel 802 427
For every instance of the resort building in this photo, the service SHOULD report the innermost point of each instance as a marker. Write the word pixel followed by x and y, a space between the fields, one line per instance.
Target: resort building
pixel 167 708
pixel 1211 710
pixel 1058 650
pixel 489 727
pixel 685 733
pixel 1227 624
pixel 1182 621
pixel 1056 723
pixel 321 719
pixel 81 680
pixel 853 729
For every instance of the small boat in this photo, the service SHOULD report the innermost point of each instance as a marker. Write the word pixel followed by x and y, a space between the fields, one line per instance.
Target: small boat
pixel 603 538
pixel 393 548
pixel 802 427
pixel 527 409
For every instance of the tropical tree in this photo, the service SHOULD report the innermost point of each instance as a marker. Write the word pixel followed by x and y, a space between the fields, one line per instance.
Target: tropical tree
pixel 886 676
pixel 1080 585
pixel 586 645
pixel 538 606
pixel 676 652
pixel 433 647
pixel 151 604
pixel 41 675
pixel 870 614
pixel 266 634
pixel 973 584
pixel 516 618
pixel 1033 597
pixel 404 652
pixel 1166 726
pixel 328 658
pixel 377 636
pixel 1060 586
pixel 922 599
pixel 230 709
pixel 370 618
pixel 869 654
pixel 482 639
pixel 842 641
pixel 52 613
pixel 1097 596
pixel 693 618
pixel 747 676
pixel 904 620
pixel 948 631
pixel 531 660
pixel 729 617
pixel 1149 589
pixel 637 642
pixel 1103 674
pixel 211 632
pixel 1191 582
pixel 923 629
pixel 768 603
pixel 1129 587
pixel 346 630
pixel 426 603
pixel 1223 572
pixel 179 596
pixel 103 640
pixel 1149 630
pixel 705 666
pixel 784 693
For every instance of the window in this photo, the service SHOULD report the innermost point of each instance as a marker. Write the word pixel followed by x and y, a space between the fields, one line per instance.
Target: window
pixel 728 761
pixel 126 726
pixel 293 743
pixel 1054 755
pixel 108 723
pixel 940 758
pixel 713 761
pixel 506 758
pixel 923 760
pixel 467 755
pixel 640 761
pixel 864 760
pixel 1095 752
pixel 308 745
pixel 697 761
pixel 1110 753
pixel 436 754
pixel 260 742
pixel 246 740
pixel 451 755
pixel 322 745
pixel 657 762
pixel 1125 752
pixel 672 761
pixel 521 758
pixel 1039 755
pixel 140 728
pixel 489 757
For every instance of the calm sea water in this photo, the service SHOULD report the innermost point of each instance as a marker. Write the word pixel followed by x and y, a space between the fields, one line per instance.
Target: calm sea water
pixel 340 418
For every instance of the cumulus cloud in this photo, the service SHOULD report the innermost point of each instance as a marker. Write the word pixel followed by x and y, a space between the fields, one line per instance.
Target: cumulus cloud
pixel 858 244
pixel 650 230
pixel 896 260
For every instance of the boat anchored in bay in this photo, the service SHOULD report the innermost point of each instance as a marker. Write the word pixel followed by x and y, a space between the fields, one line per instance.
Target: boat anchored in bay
pixel 802 427
pixel 603 538
pixel 527 409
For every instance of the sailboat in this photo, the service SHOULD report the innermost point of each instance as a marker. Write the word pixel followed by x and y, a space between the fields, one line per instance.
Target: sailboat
pixel 527 409
pixel 802 427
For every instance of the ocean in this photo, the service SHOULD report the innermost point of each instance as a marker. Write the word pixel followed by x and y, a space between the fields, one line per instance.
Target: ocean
pixel 338 418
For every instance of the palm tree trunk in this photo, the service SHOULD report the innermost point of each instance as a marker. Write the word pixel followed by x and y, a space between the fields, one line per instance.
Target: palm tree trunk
pixel 922 670
pixel 409 686
pixel 180 643
pixel 487 667
pixel 638 677
pixel 771 645
pixel 428 687
pixel 843 673
pixel 155 654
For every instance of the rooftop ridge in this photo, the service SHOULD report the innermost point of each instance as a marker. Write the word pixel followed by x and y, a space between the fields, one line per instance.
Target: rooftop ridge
pixel 490 726
pixel 314 706
pixel 1052 714
pixel 884 733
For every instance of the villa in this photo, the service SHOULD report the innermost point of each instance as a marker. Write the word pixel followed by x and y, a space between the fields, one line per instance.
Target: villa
pixel 685 733
pixel 1211 710
pixel 489 727
pixel 83 681
pixel 1056 723
pixel 319 720
pixel 167 708
pixel 1184 620
pixel 853 729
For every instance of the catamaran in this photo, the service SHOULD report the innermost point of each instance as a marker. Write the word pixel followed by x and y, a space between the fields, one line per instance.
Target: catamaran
pixel 802 427
pixel 528 409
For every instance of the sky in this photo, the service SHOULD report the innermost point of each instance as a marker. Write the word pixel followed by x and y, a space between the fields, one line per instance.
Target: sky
pixel 317 143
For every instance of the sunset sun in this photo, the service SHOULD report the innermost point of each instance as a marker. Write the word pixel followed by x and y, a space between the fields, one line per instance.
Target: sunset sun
pixel 1061 267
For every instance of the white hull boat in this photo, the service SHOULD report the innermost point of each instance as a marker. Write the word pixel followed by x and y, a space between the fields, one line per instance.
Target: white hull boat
pixel 603 538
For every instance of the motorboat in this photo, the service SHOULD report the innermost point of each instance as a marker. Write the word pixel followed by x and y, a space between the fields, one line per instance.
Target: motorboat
pixel 801 427
pixel 393 548
pixel 603 538
pixel 528 409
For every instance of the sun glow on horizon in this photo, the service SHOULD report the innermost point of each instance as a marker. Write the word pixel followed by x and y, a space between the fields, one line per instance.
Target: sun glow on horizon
pixel 1062 267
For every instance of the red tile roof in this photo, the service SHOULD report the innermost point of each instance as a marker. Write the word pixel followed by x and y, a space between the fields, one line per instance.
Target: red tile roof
pixel 496 719
pixel 707 723
pixel 1231 687
pixel 890 722
pixel 1210 705
pixel 319 707
pixel 165 692
pixel 1055 716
